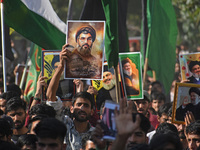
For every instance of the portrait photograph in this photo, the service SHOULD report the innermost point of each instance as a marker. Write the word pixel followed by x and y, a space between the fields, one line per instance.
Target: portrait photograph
pixel 86 48
pixel 50 61
pixel 186 99
pixel 131 72
pixel 190 67
pixel 107 87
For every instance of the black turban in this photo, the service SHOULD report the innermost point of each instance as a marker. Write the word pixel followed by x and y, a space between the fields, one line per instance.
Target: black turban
pixel 87 29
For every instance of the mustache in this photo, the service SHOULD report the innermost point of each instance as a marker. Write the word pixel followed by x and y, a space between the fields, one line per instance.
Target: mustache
pixel 17 121
pixel 82 112
pixel 85 45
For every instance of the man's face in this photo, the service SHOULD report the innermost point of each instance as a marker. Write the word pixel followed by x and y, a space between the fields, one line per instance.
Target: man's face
pixel 142 106
pixel 18 117
pixel 127 69
pixel 107 77
pixel 138 137
pixel 196 70
pixel 3 104
pixel 82 109
pixel 156 104
pixel 164 118
pixel 193 96
pixel 193 141
pixel 185 101
pixel 85 42
pixel 50 144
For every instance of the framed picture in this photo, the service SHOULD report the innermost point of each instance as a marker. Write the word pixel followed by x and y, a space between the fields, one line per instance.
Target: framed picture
pixel 186 98
pixel 131 72
pixel 190 67
pixel 134 44
pixel 50 61
pixel 106 87
pixel 86 50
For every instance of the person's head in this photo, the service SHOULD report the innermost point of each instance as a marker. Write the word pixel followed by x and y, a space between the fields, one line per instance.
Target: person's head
pixel 156 86
pixel 194 93
pixel 15 88
pixel 157 99
pixel 193 135
pixel 5 130
pixel 82 106
pixel 27 142
pixel 85 37
pixel 139 135
pixel 143 104
pixel 108 80
pixel 185 101
pixel 42 109
pixel 16 109
pixel 162 114
pixel 165 141
pixel 194 67
pixel 126 65
pixel 166 127
pixel 55 61
pixel 34 121
pixel 4 145
pixel 50 133
pixel 4 97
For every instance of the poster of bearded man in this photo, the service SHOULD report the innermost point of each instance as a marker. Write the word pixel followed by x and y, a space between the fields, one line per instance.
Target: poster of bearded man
pixel 190 67
pixel 85 50
pixel 131 72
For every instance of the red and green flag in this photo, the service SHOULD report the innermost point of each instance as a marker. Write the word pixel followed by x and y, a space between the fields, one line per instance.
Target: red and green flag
pixel 33 73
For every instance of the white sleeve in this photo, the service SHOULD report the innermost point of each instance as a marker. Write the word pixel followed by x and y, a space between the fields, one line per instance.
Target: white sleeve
pixel 57 105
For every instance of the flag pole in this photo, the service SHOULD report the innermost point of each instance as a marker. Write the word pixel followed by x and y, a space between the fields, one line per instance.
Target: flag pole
pixel 3 47
pixel 145 71
pixel 26 66
pixel 117 89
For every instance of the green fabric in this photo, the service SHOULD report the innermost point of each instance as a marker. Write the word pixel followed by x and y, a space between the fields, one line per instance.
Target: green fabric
pixel 111 34
pixel 34 71
pixel 161 43
pixel 32 26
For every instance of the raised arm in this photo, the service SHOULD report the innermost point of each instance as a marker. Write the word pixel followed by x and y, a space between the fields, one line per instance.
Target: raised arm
pixel 53 85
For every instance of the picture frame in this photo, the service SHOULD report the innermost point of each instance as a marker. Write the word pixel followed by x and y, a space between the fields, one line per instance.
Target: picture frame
pixel 132 74
pixel 186 98
pixel 86 48
pixel 186 62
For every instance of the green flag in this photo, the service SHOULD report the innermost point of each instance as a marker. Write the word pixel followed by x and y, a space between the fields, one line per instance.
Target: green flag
pixel 34 71
pixel 111 35
pixel 161 43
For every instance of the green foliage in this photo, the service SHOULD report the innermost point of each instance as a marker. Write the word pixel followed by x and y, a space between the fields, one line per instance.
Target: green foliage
pixel 188 19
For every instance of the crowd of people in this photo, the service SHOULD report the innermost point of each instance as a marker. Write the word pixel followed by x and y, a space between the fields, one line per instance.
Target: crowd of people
pixel 142 124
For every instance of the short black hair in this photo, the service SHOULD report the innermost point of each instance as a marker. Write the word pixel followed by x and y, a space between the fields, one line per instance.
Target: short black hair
pixel 27 139
pixel 8 95
pixel 42 109
pixel 15 88
pixel 166 127
pixel 51 128
pixel 84 95
pixel 5 127
pixel 144 124
pixel 193 128
pixel 155 95
pixel 14 104
pixel 164 109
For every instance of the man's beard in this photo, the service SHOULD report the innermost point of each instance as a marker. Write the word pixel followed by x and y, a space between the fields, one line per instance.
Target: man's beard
pixel 110 85
pixel 84 51
pixel 129 73
pixel 196 75
pixel 21 124
pixel 78 118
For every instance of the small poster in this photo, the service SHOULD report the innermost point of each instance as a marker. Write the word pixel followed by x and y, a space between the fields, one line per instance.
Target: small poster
pixel 186 99
pixel 86 49
pixel 107 87
pixel 131 72
pixel 190 67
pixel 50 61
